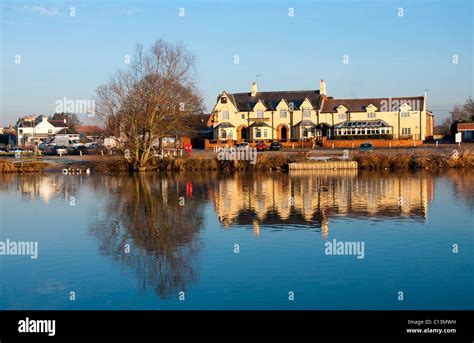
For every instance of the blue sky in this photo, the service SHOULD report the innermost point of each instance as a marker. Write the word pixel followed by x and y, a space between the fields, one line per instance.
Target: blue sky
pixel 389 55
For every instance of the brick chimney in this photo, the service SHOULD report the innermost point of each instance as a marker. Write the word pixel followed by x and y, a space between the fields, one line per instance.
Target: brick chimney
pixel 322 87
pixel 254 89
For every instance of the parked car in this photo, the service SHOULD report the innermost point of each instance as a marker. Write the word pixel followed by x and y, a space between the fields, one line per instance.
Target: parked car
pixel 261 146
pixel 16 150
pixel 242 145
pixel 366 147
pixel 276 146
pixel 61 150
pixel 76 150
pixel 94 148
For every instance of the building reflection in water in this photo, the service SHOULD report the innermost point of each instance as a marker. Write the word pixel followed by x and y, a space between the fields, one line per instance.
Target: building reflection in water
pixel 312 198
pixel 160 217
pixel 41 186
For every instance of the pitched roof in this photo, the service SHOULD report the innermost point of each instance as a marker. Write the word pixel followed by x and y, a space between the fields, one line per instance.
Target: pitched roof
pixel 245 101
pixel 33 123
pixel 57 123
pixel 89 129
pixel 27 123
pixel 359 105
pixel 64 131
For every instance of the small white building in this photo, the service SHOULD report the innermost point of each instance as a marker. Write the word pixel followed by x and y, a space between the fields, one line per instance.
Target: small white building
pixel 31 130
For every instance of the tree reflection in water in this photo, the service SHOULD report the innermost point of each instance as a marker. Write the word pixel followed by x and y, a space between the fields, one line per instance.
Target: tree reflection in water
pixel 146 213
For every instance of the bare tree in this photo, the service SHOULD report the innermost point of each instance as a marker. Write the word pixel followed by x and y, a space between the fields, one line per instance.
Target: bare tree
pixel 464 113
pixel 150 100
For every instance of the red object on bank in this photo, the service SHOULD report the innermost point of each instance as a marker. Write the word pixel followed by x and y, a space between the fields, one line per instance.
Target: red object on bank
pixel 189 189
pixel 188 148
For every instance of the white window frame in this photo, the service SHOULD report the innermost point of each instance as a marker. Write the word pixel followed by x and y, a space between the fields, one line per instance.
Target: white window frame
pixel 258 133
pixel 342 116
pixel 371 115
pixel 305 132
pixel 282 113
pixel 225 115
pixel 306 113
pixel 260 113
pixel 405 114
pixel 406 131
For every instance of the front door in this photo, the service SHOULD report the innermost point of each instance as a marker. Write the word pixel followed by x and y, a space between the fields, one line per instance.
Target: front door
pixel 284 133
pixel 243 134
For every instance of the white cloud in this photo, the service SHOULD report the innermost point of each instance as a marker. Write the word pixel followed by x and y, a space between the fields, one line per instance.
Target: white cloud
pixel 45 11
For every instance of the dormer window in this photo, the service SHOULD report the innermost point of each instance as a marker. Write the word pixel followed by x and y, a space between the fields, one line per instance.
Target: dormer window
pixel 306 113
pixel 225 114
pixel 224 100
pixel 405 114
pixel 259 113
pixel 371 111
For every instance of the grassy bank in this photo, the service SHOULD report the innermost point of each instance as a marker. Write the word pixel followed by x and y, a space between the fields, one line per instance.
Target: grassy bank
pixel 27 167
pixel 414 161
pixel 265 161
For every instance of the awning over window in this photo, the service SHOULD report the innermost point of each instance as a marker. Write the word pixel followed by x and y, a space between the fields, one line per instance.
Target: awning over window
pixel 225 125
pixel 305 122
pixel 260 124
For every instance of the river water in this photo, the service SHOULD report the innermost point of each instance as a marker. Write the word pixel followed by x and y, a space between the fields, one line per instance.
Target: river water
pixel 304 240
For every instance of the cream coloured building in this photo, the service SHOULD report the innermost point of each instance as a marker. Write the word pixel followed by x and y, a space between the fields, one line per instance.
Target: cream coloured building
pixel 312 115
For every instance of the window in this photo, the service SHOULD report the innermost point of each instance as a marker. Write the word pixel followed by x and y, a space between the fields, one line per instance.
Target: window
pixel 265 132
pixel 242 116
pixel 20 131
pixel 371 115
pixel 406 130
pixel 259 114
pixel 305 132
pixel 50 132
pixel 405 114
pixel 342 116
pixel 282 113
pixel 223 134
pixel 258 133
pixel 225 114
pixel 306 113
pixel 224 100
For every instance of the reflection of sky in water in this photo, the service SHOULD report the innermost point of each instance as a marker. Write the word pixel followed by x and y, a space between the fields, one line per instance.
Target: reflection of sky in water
pixel 281 223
